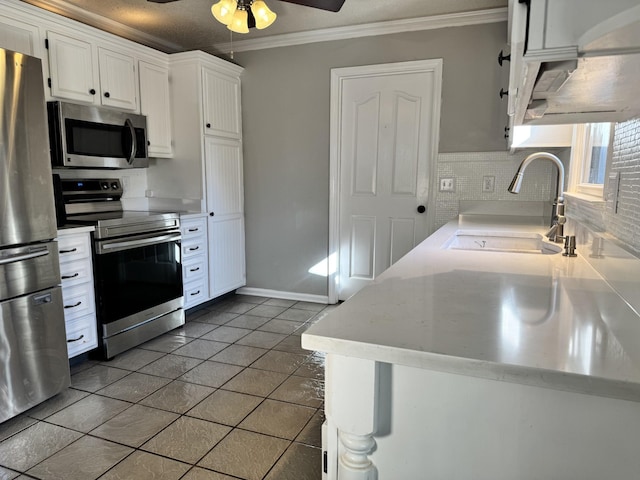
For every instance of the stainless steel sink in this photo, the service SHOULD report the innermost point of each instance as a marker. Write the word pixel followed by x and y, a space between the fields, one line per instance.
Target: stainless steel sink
pixel 501 241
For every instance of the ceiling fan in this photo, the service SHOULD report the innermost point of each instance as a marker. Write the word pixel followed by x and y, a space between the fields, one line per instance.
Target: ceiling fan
pixel 329 5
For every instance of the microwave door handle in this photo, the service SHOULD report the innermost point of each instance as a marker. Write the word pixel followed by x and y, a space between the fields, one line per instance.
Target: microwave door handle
pixel 134 143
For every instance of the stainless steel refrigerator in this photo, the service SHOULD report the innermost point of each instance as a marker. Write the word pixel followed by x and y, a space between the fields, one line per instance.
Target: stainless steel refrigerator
pixel 33 352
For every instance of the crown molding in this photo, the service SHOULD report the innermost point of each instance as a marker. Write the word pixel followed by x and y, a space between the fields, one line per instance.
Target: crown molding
pixel 493 15
pixel 62 7
pixel 68 10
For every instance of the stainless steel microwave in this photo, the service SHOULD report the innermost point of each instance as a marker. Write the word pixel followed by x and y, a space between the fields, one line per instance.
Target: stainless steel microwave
pixel 84 136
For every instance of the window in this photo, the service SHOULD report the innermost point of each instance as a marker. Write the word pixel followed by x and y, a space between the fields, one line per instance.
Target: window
pixel 589 158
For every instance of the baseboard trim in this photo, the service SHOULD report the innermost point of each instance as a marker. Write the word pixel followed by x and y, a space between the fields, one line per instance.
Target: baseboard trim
pixel 299 297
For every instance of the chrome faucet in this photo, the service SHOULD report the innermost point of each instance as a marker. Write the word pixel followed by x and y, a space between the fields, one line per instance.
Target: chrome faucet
pixel 556 233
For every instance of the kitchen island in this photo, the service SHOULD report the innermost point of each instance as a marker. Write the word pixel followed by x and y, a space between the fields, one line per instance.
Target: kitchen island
pixel 463 363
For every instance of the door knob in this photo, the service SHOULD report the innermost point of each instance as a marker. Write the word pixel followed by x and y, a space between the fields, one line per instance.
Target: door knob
pixel 211 214
pixel 421 209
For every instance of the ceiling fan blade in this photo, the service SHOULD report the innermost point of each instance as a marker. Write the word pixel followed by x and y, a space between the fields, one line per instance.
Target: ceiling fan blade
pixel 330 5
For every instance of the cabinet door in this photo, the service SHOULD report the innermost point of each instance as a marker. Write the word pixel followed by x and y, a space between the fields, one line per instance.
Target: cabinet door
pixel 226 255
pixel 154 103
pixel 19 37
pixel 225 203
pixel 74 74
pixel 221 99
pixel 118 82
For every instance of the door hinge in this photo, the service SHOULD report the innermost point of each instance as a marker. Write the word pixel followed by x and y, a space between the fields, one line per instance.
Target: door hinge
pixel 324 462
pixel 46 43
pixel 49 82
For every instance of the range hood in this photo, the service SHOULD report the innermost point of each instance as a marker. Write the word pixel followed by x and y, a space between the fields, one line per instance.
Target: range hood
pixel 572 65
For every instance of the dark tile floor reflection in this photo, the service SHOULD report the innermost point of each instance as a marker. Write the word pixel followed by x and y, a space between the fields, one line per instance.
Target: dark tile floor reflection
pixel 231 395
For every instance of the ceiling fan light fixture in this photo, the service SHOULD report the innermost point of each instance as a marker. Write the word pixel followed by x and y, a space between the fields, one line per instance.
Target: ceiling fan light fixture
pixel 239 21
pixel 264 15
pixel 224 10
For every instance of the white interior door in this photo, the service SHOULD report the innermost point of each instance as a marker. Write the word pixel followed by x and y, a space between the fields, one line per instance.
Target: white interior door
pixel 387 140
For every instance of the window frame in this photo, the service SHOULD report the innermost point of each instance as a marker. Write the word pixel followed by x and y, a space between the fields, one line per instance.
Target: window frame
pixel 580 164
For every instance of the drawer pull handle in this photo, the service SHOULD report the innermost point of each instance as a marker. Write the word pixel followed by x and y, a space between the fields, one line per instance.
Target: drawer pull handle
pixel 69 251
pixel 194 269
pixel 74 305
pixel 75 339
pixel 194 248
pixel 195 293
pixel 67 277
pixel 193 229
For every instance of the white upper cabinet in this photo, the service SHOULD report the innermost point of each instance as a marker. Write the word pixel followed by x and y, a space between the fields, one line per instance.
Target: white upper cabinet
pixel 155 104
pixel 77 73
pixel 221 100
pixel 73 72
pixel 20 37
pixel 574 61
pixel 118 80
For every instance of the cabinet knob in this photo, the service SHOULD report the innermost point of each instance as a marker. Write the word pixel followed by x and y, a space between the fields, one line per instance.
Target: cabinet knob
pixel 502 57
pixel 92 91
pixel 208 125
pixel 107 94
pixel 421 209
pixel 503 93
pixel 211 214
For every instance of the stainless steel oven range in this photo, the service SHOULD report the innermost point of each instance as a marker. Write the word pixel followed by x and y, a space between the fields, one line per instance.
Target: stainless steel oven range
pixel 137 264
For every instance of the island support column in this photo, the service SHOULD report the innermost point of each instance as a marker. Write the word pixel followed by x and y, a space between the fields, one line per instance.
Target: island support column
pixel 351 396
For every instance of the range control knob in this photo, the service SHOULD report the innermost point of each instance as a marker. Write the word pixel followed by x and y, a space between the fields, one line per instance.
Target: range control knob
pixel 115 185
pixel 104 185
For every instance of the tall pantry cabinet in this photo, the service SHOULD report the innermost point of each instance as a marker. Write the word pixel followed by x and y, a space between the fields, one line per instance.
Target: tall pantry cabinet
pixel 205 174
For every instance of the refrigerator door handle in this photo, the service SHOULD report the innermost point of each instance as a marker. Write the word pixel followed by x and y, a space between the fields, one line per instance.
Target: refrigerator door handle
pixel 19 257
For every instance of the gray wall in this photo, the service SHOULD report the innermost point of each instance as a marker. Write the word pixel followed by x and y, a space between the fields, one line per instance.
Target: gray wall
pixel 286 97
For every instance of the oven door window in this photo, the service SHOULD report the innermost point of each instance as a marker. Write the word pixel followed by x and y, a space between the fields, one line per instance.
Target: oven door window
pixel 130 281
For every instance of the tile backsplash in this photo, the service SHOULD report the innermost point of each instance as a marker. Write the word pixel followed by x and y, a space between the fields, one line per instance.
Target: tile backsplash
pixel 622 223
pixel 470 168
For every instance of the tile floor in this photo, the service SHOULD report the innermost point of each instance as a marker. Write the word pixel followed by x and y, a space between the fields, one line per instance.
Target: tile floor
pixel 231 395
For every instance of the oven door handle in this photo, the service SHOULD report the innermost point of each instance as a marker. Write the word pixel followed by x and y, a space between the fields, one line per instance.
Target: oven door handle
pixel 105 246
pixel 134 141
pixel 19 257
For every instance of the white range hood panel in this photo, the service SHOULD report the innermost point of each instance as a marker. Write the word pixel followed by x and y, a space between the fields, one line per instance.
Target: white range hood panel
pixel 600 89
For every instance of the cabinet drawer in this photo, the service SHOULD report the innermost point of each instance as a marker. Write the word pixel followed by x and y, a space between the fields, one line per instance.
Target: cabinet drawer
pixel 74 247
pixel 82 335
pixel 195 293
pixel 194 267
pixel 193 227
pixel 76 272
pixel 78 301
pixel 192 247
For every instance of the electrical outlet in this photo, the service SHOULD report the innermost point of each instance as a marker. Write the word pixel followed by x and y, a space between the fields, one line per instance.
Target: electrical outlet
pixel 488 184
pixel 447 185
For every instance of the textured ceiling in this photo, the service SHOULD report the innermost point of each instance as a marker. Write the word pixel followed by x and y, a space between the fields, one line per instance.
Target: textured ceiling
pixel 188 24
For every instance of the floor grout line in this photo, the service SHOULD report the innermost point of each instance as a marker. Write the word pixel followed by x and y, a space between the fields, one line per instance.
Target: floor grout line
pixel 289 354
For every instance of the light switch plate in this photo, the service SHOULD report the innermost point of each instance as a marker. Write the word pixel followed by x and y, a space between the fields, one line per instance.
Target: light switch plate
pixel 613 187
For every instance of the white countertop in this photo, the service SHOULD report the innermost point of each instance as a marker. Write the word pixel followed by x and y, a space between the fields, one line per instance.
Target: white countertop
pixel 74 229
pixel 543 320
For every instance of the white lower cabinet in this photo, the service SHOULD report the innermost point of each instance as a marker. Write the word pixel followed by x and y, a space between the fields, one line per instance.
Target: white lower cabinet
pixel 76 270
pixel 195 271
